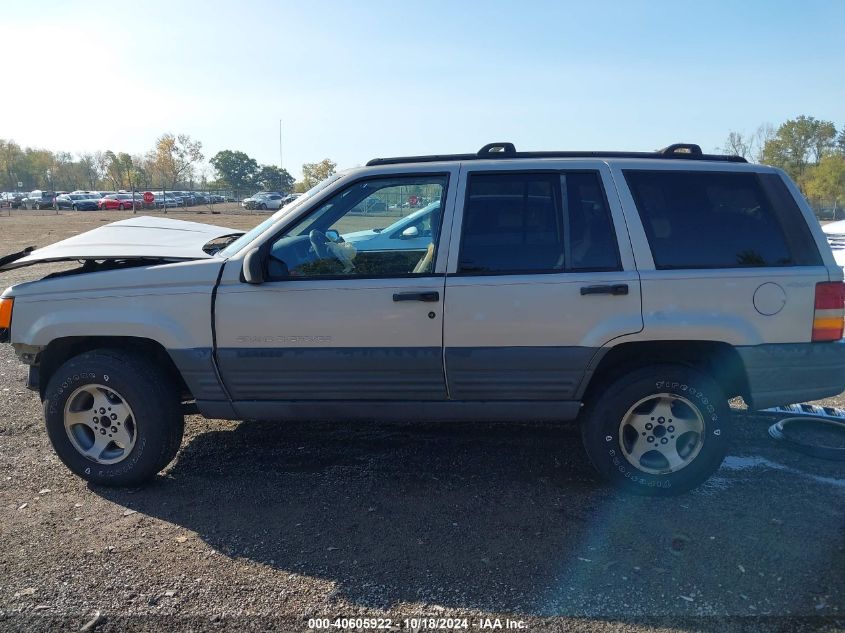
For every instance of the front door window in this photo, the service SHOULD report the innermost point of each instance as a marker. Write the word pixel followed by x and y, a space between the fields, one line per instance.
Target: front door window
pixel 380 227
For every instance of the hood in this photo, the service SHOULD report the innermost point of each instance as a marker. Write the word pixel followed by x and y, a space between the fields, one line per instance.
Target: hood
pixel 137 238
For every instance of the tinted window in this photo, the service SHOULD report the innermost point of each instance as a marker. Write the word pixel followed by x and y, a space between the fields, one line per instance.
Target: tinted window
pixel 592 241
pixel 542 222
pixel 719 220
pixel 512 223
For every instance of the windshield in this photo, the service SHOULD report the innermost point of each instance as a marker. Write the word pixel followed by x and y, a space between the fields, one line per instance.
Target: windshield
pixel 250 235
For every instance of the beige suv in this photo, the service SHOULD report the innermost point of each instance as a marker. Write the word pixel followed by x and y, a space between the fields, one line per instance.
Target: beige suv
pixel 633 292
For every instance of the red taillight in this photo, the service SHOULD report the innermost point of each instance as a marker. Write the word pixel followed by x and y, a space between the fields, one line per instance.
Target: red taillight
pixel 829 314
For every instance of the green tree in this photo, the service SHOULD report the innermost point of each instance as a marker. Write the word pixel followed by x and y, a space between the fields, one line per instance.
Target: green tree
pixel 274 178
pixel 11 165
pixel 840 142
pixel 174 158
pixel 88 171
pixel 314 173
pixel 825 183
pixel 799 143
pixel 39 165
pixel 114 170
pixel 64 172
pixel 235 169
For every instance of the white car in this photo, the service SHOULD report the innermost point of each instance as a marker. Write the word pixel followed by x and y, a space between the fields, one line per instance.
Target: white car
pixel 835 233
pixel 263 201
pixel 412 231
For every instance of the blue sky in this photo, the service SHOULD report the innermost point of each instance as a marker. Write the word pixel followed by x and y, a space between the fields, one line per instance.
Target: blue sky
pixel 355 80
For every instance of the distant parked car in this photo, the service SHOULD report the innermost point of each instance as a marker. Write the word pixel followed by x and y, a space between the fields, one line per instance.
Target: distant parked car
pixel 11 199
pixel 76 201
pixel 290 198
pixel 166 201
pixel 188 199
pixel 371 205
pixel 120 201
pixel 39 199
pixel 411 232
pixel 263 200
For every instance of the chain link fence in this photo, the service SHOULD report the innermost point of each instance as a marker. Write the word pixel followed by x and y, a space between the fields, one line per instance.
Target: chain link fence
pixel 828 210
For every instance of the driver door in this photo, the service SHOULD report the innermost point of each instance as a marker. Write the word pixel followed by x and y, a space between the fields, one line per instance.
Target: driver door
pixel 337 319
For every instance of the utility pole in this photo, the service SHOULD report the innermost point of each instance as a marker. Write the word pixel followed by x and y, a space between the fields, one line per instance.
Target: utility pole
pixel 281 163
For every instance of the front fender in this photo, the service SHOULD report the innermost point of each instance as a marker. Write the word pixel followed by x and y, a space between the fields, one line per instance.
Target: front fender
pixel 183 323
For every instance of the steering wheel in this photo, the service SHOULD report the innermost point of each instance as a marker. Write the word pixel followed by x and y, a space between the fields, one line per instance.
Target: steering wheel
pixel 318 241
pixel 322 247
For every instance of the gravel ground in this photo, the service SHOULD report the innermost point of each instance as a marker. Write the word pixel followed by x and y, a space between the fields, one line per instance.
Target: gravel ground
pixel 261 526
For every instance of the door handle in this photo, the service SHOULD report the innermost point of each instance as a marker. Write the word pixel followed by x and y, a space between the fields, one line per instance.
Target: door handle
pixel 610 289
pixel 429 296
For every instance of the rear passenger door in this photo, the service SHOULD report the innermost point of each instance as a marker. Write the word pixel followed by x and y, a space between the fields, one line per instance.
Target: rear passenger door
pixel 540 277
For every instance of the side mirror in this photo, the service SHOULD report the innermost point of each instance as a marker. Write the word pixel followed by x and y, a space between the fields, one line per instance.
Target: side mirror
pixel 411 231
pixel 333 235
pixel 253 270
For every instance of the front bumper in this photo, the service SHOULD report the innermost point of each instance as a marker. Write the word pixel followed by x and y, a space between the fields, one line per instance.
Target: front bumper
pixel 787 373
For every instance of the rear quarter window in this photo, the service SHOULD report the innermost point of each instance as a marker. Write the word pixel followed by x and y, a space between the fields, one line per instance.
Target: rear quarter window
pixel 709 219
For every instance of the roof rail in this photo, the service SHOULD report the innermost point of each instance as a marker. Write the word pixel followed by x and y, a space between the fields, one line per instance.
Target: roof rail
pixel 504 151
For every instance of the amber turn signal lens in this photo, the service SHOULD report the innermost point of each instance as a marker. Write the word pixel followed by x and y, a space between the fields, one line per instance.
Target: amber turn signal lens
pixel 6 313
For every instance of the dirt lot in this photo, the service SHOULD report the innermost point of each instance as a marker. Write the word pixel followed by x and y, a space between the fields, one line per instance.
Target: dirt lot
pixel 261 526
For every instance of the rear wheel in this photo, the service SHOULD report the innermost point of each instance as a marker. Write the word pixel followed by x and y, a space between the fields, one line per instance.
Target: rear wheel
pixel 75 208
pixel 121 207
pixel 112 417
pixel 660 430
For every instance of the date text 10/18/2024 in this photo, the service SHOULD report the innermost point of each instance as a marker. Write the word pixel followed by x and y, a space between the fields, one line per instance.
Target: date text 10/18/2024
pixel 417 624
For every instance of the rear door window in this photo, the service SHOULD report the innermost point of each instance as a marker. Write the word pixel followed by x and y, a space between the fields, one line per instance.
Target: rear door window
pixel 709 219
pixel 543 222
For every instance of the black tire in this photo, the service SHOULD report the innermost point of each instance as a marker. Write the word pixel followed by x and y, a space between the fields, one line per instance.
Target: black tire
pixel 157 418
pixel 263 207
pixel 75 208
pixel 610 402
pixel 121 207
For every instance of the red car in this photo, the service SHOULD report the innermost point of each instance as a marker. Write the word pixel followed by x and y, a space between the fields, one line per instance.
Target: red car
pixel 120 201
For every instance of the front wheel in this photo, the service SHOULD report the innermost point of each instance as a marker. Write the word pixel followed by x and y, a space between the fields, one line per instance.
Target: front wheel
pixel 121 207
pixel 112 417
pixel 660 430
pixel 75 208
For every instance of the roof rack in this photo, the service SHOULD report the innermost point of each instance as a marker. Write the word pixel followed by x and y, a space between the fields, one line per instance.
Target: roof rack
pixel 683 151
